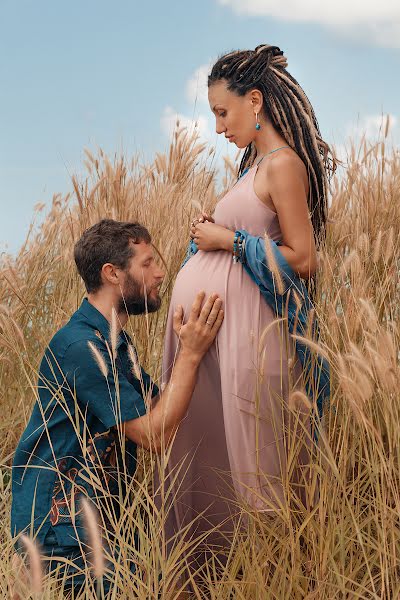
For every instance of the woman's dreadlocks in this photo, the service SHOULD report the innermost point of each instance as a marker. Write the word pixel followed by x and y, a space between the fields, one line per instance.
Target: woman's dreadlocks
pixel 290 112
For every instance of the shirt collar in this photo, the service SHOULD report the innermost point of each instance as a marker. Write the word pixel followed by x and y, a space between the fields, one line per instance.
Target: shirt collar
pixel 99 322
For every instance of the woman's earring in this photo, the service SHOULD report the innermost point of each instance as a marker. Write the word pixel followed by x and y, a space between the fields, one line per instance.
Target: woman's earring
pixel 258 126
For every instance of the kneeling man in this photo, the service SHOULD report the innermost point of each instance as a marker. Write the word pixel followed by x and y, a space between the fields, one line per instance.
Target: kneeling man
pixel 95 404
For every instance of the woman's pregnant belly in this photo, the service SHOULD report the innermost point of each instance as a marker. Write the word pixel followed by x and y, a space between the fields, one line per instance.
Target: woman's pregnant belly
pixel 245 311
pixel 248 337
pixel 205 271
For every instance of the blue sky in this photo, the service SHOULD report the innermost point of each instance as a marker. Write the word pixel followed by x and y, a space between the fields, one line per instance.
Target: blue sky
pixel 88 73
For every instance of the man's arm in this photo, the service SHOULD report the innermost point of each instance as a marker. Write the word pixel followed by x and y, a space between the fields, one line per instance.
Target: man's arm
pixel 155 430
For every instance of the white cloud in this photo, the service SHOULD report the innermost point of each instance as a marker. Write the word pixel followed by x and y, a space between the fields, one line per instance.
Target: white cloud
pixel 170 117
pixel 372 127
pixel 379 21
pixel 340 151
pixel 205 126
pixel 196 87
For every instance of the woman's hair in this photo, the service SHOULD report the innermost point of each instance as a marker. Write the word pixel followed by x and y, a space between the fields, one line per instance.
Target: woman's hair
pixel 290 112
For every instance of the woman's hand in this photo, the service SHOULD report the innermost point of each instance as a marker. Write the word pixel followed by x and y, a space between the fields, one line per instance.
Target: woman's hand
pixel 200 219
pixel 203 218
pixel 209 237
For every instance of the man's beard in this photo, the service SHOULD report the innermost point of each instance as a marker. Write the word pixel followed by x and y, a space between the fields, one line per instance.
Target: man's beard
pixel 133 302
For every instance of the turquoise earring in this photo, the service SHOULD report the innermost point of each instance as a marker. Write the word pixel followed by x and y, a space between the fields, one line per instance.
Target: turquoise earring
pixel 258 126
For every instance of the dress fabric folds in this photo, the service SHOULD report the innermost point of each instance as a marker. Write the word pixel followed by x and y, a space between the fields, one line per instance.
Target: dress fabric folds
pixel 233 446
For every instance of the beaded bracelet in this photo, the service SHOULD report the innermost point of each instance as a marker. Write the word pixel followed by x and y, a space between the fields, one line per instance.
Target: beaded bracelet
pixel 238 247
pixel 242 242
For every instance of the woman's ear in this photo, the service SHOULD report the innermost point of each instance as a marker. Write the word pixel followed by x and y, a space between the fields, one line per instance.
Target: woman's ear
pixel 257 100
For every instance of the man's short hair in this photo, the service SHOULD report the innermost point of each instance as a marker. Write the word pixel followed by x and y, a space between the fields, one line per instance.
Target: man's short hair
pixel 107 241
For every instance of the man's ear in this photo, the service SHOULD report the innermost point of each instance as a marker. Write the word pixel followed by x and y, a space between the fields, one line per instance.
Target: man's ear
pixel 110 274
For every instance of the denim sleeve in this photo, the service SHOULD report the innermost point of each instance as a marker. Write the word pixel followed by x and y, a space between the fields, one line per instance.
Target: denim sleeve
pixel 191 250
pixel 255 262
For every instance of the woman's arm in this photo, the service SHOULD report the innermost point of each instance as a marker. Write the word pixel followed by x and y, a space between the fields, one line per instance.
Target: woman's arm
pixel 287 185
pixel 285 177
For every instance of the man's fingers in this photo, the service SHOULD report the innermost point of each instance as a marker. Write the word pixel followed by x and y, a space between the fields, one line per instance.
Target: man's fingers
pixel 213 314
pixel 178 319
pixel 218 322
pixel 206 311
pixel 196 306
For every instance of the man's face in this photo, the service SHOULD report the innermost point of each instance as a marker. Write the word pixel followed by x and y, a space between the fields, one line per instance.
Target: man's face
pixel 143 277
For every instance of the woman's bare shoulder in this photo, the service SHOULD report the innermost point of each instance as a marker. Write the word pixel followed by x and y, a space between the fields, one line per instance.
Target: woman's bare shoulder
pixel 283 165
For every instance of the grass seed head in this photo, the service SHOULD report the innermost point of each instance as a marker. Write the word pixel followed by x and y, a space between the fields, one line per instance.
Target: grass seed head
pixel 99 358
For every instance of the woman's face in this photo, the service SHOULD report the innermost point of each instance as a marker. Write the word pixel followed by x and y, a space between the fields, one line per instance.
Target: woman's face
pixel 234 115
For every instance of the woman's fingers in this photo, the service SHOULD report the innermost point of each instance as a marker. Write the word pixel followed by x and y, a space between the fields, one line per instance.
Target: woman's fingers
pixel 207 218
pixel 203 218
pixel 194 232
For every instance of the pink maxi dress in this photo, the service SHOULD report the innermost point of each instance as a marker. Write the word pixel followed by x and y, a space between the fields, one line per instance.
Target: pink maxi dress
pixel 231 444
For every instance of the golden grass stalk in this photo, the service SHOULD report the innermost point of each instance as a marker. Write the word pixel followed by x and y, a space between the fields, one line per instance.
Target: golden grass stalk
pixel 298 399
pixel 316 347
pixel 351 537
pixel 273 266
pixel 377 247
pixel 114 332
pixel 95 542
pixel 135 363
pixel 389 245
pixel 35 564
pixel 99 358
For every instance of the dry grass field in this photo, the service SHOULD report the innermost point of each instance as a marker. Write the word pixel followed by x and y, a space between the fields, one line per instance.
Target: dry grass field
pixel 348 544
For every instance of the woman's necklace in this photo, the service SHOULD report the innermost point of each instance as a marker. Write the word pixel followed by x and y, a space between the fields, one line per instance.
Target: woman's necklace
pixel 258 160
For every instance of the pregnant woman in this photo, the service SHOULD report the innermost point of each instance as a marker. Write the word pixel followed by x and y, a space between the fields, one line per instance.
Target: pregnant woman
pixel 237 423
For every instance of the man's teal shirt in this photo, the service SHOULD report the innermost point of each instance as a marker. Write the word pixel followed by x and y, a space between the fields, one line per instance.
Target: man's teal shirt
pixel 71 440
